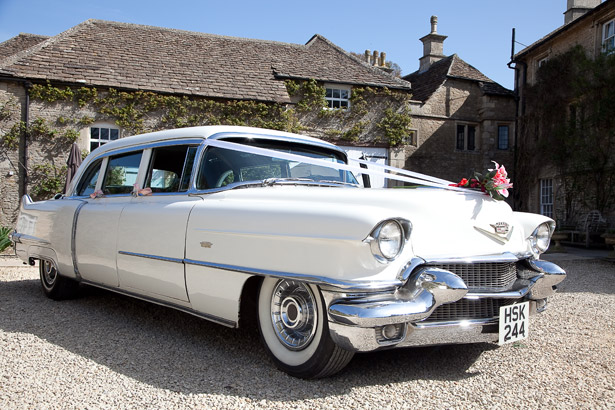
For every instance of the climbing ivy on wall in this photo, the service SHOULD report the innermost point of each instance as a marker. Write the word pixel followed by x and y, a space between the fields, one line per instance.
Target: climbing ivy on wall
pixel 570 123
pixel 376 115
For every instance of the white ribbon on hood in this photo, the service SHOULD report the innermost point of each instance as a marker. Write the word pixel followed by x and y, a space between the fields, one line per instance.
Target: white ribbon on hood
pixel 400 174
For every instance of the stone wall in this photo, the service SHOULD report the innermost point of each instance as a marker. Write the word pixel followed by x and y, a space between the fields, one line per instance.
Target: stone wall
pixel 12 99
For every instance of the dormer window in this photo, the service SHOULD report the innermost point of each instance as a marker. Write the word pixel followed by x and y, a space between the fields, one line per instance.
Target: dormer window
pixel 338 97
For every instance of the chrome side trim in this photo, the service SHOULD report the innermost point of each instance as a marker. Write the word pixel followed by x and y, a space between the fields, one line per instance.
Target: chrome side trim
pixel 212 318
pixel 73 239
pixel 17 237
pixel 146 256
pixel 503 257
pixel 317 280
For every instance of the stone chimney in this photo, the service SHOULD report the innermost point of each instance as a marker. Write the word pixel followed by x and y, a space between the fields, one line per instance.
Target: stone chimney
pixel 433 46
pixel 377 59
pixel 576 8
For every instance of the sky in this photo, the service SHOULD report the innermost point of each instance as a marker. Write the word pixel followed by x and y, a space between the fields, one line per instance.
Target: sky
pixel 479 31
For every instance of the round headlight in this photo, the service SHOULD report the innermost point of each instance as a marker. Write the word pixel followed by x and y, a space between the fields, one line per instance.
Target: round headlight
pixel 387 240
pixel 541 238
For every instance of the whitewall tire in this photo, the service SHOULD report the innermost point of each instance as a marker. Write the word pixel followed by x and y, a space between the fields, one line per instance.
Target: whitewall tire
pixel 293 326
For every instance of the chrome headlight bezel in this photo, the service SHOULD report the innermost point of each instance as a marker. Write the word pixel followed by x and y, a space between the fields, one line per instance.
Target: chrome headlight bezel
pixel 388 238
pixel 540 239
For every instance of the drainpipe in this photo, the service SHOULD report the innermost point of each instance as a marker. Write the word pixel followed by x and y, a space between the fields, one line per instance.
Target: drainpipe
pixel 520 73
pixel 26 119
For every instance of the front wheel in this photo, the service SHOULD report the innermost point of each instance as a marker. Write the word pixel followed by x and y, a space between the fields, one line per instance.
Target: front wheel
pixel 55 286
pixel 293 327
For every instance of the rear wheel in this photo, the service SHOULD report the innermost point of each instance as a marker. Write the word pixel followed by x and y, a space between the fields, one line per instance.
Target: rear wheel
pixel 294 329
pixel 55 286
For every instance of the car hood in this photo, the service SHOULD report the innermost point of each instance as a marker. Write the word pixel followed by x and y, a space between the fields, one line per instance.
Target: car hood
pixel 445 223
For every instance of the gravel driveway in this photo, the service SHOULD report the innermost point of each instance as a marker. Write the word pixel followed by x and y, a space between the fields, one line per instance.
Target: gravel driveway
pixel 108 351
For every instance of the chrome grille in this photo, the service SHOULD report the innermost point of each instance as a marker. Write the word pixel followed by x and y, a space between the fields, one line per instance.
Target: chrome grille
pixel 467 309
pixel 484 275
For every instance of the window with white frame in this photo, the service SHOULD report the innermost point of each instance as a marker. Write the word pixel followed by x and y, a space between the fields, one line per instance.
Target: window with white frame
pixel 100 135
pixel 608 37
pixel 546 197
pixel 338 97
pixel 466 137
pixel 503 136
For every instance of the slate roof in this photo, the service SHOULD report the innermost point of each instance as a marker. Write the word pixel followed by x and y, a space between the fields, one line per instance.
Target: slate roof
pixel 19 43
pixel 426 83
pixel 121 55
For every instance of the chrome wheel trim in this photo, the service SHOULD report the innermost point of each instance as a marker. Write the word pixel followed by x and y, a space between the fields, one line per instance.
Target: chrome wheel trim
pixel 294 314
pixel 50 273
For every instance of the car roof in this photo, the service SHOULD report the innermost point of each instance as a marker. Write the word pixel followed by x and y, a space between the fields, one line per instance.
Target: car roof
pixel 206 132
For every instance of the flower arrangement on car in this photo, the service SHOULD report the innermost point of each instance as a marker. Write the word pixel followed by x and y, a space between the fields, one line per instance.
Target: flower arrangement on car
pixel 494 183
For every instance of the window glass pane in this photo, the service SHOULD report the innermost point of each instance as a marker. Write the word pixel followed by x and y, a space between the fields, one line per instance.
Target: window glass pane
pixel 546 197
pixel 87 184
pixel 95 133
pixel 166 168
pixel 115 134
pixel 121 173
pixel 104 133
pixel 93 145
pixel 503 137
pixel 471 138
pixel 460 137
pixel 337 98
pixel 187 171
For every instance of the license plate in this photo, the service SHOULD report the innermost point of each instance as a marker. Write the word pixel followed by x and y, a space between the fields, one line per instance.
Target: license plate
pixel 514 322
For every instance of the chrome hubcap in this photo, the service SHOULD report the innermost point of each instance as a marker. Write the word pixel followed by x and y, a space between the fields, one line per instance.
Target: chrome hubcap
pixel 293 314
pixel 49 273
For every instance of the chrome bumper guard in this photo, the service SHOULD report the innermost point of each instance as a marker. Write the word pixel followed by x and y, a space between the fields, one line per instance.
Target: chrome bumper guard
pixel 366 322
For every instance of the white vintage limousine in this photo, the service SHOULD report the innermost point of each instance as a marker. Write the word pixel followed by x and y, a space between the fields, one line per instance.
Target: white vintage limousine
pixel 239 225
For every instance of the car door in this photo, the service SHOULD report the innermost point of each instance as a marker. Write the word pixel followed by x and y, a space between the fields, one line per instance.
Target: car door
pixel 98 219
pixel 152 226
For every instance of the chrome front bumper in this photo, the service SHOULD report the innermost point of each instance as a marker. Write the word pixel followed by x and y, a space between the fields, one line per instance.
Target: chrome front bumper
pixel 366 322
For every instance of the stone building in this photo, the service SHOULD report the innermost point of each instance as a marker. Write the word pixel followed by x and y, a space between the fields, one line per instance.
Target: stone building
pixel 589 25
pixel 462 119
pixel 102 80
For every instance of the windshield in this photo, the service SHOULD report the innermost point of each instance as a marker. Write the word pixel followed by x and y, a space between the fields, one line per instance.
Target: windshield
pixel 221 166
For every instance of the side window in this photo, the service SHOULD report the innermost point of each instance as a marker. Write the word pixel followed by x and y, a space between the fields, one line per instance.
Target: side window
pixel 122 173
pixel 87 185
pixel 170 168
pixel 503 139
